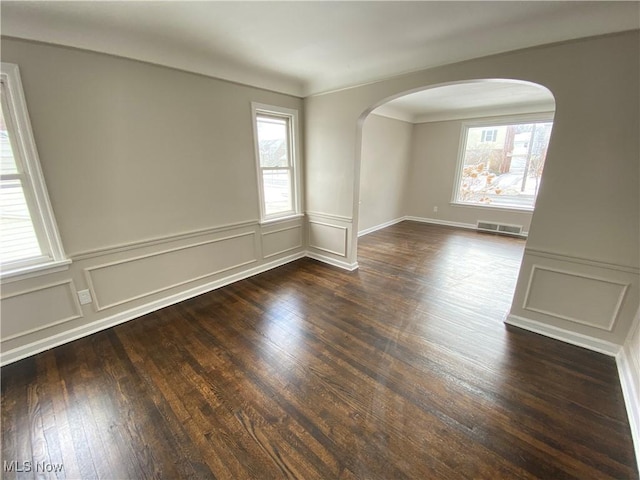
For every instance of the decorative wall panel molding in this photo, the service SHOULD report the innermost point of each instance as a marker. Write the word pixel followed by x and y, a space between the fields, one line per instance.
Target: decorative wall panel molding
pixel 328 238
pixel 283 240
pixel 576 297
pixel 38 308
pixel 162 240
pixel 122 281
pixel 330 216
pixel 580 260
pixel 585 297
pixel 32 346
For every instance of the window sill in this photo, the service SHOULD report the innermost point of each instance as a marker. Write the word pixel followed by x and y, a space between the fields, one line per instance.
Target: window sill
pixel 286 218
pixel 528 210
pixel 34 271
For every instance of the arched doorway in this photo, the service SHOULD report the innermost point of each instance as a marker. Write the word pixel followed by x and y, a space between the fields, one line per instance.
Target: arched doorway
pixel 453 154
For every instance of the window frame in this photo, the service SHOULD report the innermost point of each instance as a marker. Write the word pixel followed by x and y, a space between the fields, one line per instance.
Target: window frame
pixel 53 257
pixel 258 109
pixel 493 133
pixel 541 117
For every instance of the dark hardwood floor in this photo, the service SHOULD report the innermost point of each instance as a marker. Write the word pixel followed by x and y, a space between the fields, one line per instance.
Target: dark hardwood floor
pixel 403 369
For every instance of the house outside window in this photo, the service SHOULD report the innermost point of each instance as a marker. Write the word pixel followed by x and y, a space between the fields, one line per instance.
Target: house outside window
pixel 489 135
pixel 29 239
pixel 500 165
pixel 275 131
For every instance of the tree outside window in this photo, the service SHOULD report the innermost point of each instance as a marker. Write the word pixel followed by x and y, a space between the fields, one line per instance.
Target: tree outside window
pixel 501 165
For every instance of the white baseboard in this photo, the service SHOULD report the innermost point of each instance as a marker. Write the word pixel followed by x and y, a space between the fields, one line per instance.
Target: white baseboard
pixel 38 346
pixel 333 261
pixel 628 382
pixel 369 230
pixel 631 393
pixel 573 338
pixel 435 221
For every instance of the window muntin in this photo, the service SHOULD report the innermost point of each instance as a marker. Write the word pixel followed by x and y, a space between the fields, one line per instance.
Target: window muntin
pixel 500 165
pixel 276 160
pixel 489 135
pixel 29 239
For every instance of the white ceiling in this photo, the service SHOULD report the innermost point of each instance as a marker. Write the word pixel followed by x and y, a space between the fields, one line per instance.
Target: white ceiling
pixel 469 100
pixel 304 48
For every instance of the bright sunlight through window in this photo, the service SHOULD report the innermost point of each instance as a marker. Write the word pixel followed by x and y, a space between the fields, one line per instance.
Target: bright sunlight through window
pixel 19 240
pixel 276 162
pixel 29 239
pixel 501 165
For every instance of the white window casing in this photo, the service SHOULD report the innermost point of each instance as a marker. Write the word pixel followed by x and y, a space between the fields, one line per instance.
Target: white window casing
pixel 278 174
pixel 490 190
pixel 25 177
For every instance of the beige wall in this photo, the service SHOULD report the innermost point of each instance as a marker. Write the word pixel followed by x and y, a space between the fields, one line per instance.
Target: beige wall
pixel 588 209
pixel 134 151
pixel 151 173
pixel 386 149
pixel 435 150
pixel 149 167
pixel 152 179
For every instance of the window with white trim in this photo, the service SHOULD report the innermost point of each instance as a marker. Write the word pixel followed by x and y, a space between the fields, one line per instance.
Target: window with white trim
pixel 500 164
pixel 29 239
pixel 489 135
pixel 275 131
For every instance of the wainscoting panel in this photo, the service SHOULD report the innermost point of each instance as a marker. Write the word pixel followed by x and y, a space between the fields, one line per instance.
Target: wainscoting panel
pixel 328 238
pixel 123 281
pixel 331 239
pixel 130 280
pixel 282 240
pixel 39 308
pixel 575 297
pixel 579 296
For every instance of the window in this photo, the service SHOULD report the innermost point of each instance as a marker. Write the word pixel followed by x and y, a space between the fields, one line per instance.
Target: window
pixel 276 155
pixel 29 239
pixel 501 165
pixel 489 135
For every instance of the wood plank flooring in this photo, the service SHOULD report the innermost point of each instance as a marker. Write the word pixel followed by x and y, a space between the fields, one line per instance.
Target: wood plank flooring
pixel 401 370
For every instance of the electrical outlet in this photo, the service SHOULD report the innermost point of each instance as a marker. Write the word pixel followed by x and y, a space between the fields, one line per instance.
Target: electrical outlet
pixel 85 297
pixel 435 209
